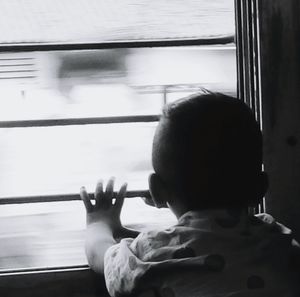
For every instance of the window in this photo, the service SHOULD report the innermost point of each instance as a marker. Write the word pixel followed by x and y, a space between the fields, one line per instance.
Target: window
pixel 80 101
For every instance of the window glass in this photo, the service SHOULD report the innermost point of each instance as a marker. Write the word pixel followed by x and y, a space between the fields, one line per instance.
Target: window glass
pixel 49 85
pixel 59 160
pixel 52 234
pixel 101 83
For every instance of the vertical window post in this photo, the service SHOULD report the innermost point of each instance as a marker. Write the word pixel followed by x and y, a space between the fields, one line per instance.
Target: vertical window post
pixel 248 61
pixel 248 54
pixel 280 81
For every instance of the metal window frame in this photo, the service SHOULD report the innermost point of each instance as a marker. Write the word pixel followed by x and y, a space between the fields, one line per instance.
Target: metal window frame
pixel 163 89
pixel 29 47
pixel 63 197
pixel 247 14
pixel 79 121
pixel 50 281
pixel 248 54
pixel 61 281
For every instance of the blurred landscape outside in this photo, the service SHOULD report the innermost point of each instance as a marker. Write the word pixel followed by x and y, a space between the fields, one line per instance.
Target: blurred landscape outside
pixel 60 159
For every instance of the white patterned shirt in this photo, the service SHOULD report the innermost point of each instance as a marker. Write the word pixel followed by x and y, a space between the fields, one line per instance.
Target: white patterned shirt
pixel 212 253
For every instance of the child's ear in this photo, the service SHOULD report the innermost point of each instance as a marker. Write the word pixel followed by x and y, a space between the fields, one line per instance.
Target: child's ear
pixel 260 188
pixel 158 191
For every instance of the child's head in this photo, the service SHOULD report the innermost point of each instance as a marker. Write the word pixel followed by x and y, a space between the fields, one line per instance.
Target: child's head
pixel 207 153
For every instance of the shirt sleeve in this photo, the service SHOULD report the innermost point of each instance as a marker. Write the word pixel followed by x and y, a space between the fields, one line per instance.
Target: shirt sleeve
pixel 122 268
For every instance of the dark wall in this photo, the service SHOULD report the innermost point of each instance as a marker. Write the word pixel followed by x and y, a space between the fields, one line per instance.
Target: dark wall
pixel 280 69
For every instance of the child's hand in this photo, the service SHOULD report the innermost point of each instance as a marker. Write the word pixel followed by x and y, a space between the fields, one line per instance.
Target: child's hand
pixel 104 211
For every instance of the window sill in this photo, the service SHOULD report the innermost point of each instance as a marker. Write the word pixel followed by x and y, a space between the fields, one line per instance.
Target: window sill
pixel 72 281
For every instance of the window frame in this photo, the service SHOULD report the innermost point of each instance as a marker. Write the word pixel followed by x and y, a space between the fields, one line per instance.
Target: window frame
pixel 47 282
pixel 30 47
pixel 247 15
pixel 61 281
pixel 223 40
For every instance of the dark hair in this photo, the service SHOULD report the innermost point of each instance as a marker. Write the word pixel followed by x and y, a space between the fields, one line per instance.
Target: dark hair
pixel 211 141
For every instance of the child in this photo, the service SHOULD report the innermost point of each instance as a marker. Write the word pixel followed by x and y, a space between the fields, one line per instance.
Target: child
pixel 207 159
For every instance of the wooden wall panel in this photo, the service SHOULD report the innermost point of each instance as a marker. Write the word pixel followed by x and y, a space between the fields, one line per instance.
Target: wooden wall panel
pixel 280 74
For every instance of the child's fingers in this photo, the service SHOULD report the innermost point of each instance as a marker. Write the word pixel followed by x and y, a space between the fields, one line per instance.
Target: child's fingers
pixel 110 189
pixel 120 198
pixel 99 192
pixel 86 199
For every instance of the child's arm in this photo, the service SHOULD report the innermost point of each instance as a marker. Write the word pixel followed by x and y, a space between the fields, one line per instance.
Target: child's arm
pixel 103 223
